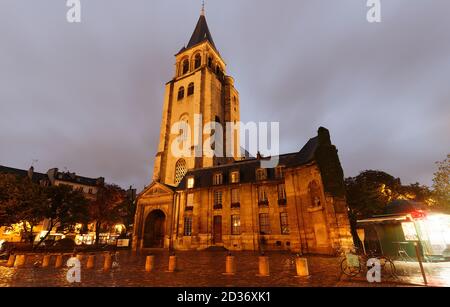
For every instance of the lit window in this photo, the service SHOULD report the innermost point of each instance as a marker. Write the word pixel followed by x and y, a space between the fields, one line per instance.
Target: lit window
pixel 188 226
pixel 264 223
pixel 234 176
pixel 261 174
pixel 235 225
pixel 284 223
pixel 190 183
pixel 218 179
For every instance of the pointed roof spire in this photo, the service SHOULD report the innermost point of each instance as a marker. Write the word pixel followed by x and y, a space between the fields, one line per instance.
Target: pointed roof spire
pixel 201 32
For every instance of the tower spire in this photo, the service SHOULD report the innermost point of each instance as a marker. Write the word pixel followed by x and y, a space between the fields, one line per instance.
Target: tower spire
pixel 203 8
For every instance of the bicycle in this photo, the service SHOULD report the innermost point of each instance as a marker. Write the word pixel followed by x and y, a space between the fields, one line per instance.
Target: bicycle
pixel 353 263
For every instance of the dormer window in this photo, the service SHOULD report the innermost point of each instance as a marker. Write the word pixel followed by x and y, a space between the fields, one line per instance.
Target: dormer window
pixel 279 172
pixel 190 183
pixel 234 177
pixel 218 179
pixel 261 174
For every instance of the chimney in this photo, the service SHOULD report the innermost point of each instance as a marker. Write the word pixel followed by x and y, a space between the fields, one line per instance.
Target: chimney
pixel 51 173
pixel 30 172
pixel 324 136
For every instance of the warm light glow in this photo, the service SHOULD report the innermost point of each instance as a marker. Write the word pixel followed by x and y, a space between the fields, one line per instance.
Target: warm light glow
pixel 438 228
pixel 119 228
pixel 190 183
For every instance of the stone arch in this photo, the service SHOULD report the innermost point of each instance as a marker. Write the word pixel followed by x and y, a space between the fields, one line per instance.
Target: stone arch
pixel 184 66
pixel 197 58
pixel 154 229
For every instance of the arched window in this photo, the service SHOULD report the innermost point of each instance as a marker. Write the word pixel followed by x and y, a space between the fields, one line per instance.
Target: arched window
pixel 181 93
pixel 180 170
pixel 185 66
pixel 210 62
pixel 185 126
pixel 198 61
pixel 190 89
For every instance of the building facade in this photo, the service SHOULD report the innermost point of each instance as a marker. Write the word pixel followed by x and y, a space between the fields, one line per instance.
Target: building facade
pixel 194 203
pixel 88 186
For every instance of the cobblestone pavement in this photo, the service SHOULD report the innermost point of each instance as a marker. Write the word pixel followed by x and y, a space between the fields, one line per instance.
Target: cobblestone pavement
pixel 195 269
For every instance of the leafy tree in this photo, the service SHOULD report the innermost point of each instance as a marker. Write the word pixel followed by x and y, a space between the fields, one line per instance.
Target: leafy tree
pixel 369 192
pixel 64 208
pixel 21 201
pixel 107 208
pixel 441 184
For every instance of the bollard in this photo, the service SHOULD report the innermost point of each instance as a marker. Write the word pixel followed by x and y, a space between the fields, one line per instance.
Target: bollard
pixel 46 261
pixel 91 262
pixel 230 266
pixel 264 266
pixel 20 260
pixel 150 263
pixel 11 260
pixel 108 262
pixel 59 261
pixel 172 264
pixel 79 257
pixel 302 267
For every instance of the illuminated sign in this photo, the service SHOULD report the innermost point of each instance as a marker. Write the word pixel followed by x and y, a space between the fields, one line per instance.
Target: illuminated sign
pixel 409 230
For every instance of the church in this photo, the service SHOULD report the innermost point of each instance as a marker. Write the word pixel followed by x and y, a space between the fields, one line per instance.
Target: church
pixel 199 202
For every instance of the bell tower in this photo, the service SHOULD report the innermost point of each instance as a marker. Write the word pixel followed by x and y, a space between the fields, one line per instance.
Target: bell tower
pixel 200 87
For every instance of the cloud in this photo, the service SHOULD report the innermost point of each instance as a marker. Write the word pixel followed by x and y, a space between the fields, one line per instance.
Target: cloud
pixel 89 96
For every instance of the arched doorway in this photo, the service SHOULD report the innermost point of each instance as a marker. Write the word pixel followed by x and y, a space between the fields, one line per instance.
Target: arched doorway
pixel 154 229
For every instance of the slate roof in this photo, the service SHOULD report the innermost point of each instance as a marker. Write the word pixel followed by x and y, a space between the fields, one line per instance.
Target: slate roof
pixel 73 178
pixel 37 177
pixel 247 168
pixel 201 34
pixel 62 176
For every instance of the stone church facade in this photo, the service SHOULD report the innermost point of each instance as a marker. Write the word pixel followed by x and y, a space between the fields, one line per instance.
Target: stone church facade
pixel 194 203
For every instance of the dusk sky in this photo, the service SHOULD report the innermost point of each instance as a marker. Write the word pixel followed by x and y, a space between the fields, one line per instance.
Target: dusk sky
pixel 88 97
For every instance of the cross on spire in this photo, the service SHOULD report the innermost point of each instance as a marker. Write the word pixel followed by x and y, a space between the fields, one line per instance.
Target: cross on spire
pixel 203 8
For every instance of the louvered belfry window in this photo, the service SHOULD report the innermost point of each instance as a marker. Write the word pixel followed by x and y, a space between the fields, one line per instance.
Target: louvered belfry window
pixel 180 170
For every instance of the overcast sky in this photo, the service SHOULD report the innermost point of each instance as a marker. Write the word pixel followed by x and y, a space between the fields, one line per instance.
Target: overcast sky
pixel 88 97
